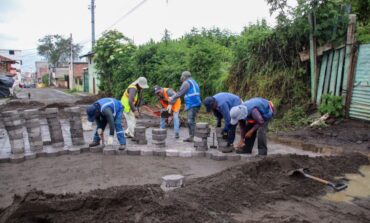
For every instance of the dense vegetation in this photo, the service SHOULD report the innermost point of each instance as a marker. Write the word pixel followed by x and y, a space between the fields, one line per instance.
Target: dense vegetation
pixel 260 61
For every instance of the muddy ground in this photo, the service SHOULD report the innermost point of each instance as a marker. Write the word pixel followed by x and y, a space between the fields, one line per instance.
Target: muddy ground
pixel 257 191
pixel 348 134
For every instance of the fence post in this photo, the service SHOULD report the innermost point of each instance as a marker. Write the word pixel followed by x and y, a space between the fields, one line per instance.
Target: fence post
pixel 313 58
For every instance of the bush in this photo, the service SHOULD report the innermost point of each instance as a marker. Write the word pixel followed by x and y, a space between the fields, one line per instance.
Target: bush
pixel 333 105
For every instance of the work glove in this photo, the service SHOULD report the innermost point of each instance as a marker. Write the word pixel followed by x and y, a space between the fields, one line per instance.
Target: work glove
pixel 110 140
pixel 169 109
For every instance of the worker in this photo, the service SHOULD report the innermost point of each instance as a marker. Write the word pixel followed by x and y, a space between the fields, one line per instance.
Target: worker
pixel 164 95
pixel 253 116
pixel 131 101
pixel 220 104
pixel 103 111
pixel 190 90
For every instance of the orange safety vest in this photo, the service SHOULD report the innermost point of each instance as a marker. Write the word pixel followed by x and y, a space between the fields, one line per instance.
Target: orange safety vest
pixel 165 100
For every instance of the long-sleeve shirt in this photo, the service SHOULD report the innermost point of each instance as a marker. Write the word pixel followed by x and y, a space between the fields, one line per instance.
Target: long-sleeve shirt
pixel 106 116
pixel 183 89
pixel 170 93
pixel 131 98
pixel 257 117
pixel 225 101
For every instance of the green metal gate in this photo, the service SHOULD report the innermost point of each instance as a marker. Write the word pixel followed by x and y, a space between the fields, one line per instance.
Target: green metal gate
pixel 86 81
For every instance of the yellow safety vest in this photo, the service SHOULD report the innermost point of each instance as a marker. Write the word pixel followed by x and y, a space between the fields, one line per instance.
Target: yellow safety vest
pixel 125 98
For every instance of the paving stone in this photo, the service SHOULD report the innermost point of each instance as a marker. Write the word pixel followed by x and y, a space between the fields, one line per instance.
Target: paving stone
pixel 142 142
pixel 97 149
pixel 156 142
pixel 201 148
pixel 185 153
pixel 222 143
pixel 30 156
pixel 172 153
pixel 17 158
pixel 203 131
pixel 159 137
pixel 245 156
pixel 228 149
pixel 109 150
pixel 209 153
pixel 121 152
pixel 218 156
pixel 159 146
pixel 58 144
pixel 140 135
pixel 4 159
pixel 146 152
pixel 233 156
pixel 202 125
pixel 133 151
pixel 201 135
pixel 174 180
pixel 198 153
pixel 51 111
pixel 74 150
pixel 159 152
pixel 140 129
pixel 84 148
pixel 159 132
pixel 41 153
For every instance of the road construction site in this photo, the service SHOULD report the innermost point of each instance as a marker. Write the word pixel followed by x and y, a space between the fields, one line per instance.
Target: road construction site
pixel 66 181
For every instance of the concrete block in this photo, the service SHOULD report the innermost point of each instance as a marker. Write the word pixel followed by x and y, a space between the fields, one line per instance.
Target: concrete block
pixel 142 141
pixel 201 135
pixel 140 135
pixel 185 153
pixel 159 137
pixel 159 152
pixel 51 111
pixel 228 149
pixel 233 156
pixel 201 148
pixel 159 132
pixel 156 142
pixel 133 151
pixel 109 150
pixel 41 153
pixel 13 123
pixel 218 156
pixel 203 131
pixel 174 180
pixel 202 125
pixel 30 156
pixel 74 150
pixel 58 144
pixel 140 129
pixel 84 148
pixel 121 152
pixel 146 152
pixel 245 156
pixel 17 158
pixel 97 149
pixel 172 153
pixel 198 153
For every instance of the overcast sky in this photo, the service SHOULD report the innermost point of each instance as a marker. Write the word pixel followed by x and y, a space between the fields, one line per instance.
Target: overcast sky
pixel 23 22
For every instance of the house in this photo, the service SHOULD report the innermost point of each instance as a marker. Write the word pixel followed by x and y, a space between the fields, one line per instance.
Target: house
pixel 16 56
pixel 90 77
pixel 42 68
pixel 78 72
pixel 6 66
pixel 60 77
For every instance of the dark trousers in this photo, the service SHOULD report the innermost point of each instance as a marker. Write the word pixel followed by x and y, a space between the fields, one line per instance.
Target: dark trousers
pixel 262 139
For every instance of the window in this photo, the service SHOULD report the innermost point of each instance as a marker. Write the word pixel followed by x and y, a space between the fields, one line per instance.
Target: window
pixel 11 52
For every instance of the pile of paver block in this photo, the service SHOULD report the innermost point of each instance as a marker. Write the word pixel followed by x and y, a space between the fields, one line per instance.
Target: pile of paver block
pixel 202 132
pixel 75 124
pixel 32 120
pixel 55 129
pixel 223 145
pixel 159 138
pixel 14 126
pixel 139 135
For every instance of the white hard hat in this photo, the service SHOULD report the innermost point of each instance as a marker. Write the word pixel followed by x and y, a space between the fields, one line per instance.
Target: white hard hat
pixel 142 82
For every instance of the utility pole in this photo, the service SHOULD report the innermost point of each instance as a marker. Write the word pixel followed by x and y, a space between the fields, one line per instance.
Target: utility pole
pixel 71 79
pixel 92 8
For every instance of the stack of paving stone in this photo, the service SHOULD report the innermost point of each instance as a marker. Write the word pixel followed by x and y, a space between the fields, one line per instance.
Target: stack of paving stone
pixel 159 138
pixel 139 135
pixel 76 126
pixel 222 143
pixel 32 119
pixel 55 129
pixel 14 126
pixel 202 132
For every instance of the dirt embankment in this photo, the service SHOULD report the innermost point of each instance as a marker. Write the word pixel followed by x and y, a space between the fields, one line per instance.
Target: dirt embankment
pixel 216 198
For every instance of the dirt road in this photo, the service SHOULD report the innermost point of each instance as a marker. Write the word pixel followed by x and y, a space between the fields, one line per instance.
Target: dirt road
pixel 88 171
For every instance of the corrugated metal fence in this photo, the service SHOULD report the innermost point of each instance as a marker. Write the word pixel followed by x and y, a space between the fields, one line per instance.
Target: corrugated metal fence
pixel 360 103
pixel 334 74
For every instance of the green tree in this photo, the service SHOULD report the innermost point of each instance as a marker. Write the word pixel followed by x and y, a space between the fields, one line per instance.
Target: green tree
pixel 57 49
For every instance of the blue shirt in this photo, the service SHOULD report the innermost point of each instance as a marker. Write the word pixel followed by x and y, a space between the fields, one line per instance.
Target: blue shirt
pixel 225 101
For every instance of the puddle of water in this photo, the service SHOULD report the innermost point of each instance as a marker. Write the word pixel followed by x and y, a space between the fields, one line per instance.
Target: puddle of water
pixel 358 187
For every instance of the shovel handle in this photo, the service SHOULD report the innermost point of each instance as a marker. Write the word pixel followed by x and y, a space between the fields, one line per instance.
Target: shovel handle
pixel 317 179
